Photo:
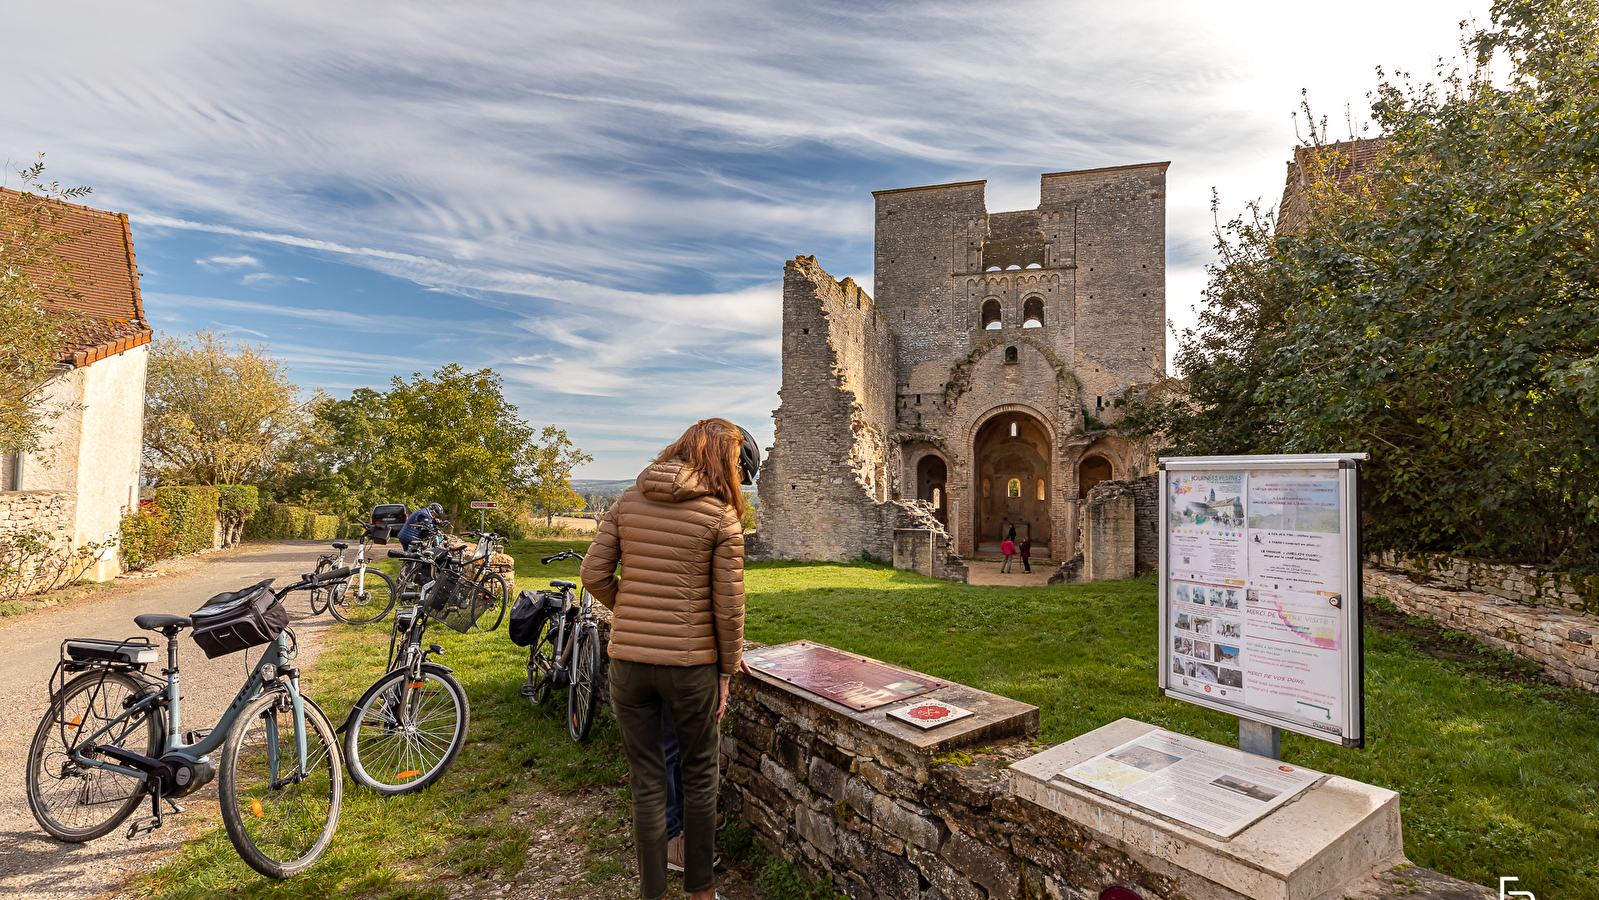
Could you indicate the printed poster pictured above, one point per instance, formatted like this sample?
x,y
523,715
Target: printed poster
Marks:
x,y
1255,606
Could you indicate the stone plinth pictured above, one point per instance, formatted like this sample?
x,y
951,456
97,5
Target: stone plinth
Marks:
x,y
1335,832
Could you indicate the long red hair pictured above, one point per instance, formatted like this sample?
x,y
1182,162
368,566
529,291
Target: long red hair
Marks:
x,y
711,446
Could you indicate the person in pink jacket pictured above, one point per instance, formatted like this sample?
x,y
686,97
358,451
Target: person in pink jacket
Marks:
x,y
1009,549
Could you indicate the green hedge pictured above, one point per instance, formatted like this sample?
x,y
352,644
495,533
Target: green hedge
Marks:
x,y
191,514
282,522
145,537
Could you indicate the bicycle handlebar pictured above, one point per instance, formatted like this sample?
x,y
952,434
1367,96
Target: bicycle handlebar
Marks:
x,y
568,553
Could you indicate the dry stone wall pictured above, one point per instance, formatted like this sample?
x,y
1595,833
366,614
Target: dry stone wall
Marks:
x,y
1523,584
50,513
1564,644
839,797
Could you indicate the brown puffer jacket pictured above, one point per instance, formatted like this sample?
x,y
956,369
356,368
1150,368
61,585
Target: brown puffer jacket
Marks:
x,y
680,600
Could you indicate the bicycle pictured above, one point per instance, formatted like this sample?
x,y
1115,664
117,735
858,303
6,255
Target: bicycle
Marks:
x,y
408,728
354,601
113,734
419,571
565,653
491,584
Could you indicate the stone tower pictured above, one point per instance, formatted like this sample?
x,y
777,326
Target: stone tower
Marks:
x,y
984,379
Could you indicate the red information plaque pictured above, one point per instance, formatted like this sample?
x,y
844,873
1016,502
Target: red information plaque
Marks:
x,y
853,681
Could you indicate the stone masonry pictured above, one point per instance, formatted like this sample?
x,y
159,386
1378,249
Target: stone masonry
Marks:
x,y
50,512
840,797
1565,644
982,377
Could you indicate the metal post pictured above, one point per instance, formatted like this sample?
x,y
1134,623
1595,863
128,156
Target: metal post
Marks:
x,y
1260,739
482,520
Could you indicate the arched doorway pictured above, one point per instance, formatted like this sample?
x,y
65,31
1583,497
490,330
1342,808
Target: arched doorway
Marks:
x,y
932,476
1012,452
1091,471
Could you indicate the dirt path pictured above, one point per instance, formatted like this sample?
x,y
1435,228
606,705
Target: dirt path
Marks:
x,y
32,865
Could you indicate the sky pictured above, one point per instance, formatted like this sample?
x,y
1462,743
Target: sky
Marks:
x,y
596,200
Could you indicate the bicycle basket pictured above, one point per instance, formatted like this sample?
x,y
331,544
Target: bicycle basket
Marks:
x,y
457,601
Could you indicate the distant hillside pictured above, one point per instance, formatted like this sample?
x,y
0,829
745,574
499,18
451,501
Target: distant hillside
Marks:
x,y
585,486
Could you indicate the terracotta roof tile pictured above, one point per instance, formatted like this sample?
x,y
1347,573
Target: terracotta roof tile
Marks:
x,y
106,278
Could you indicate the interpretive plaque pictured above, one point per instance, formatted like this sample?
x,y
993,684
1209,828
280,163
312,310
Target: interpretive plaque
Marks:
x,y
853,681
1260,590
1206,786
928,714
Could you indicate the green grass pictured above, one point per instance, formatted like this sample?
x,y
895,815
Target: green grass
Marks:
x,y
1497,777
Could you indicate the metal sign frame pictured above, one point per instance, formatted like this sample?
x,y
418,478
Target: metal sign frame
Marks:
x,y
1351,723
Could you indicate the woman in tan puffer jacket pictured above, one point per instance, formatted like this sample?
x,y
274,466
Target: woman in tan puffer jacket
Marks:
x,y
677,634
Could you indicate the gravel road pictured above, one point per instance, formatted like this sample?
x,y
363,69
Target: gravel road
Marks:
x,y
33,866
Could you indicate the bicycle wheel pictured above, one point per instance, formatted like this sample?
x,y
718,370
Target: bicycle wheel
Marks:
x,y
404,735
582,698
541,663
279,822
494,592
72,801
319,597
368,604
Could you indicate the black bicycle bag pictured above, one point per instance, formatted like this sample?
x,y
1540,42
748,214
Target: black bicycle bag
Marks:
x,y
246,618
527,614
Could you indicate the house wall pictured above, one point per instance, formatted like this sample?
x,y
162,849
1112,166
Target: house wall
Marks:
x,y
93,448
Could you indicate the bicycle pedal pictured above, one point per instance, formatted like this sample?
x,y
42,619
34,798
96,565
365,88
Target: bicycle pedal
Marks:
x,y
527,690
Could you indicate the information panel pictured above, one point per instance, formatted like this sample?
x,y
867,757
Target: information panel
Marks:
x,y
1260,590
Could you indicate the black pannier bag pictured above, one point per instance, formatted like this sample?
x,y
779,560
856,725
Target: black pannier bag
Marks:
x,y
527,613
228,623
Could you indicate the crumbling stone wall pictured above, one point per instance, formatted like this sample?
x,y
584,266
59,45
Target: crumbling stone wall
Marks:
x,y
922,545
1564,644
1109,532
1146,499
825,484
50,512
838,798
1524,584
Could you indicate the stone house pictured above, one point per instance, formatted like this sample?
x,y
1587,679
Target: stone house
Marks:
x,y
90,462
985,377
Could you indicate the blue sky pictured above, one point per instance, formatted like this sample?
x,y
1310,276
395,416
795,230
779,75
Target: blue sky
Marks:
x,y
597,199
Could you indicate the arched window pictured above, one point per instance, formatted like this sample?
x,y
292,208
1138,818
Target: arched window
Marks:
x,y
991,315
1033,313
1013,429
1010,354
1041,489
1013,488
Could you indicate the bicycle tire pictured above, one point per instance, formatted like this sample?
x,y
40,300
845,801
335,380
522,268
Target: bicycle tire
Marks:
x,y
541,663
582,697
82,803
281,829
366,606
319,597
493,585
376,743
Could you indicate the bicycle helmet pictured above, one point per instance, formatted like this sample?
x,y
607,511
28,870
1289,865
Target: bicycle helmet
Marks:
x,y
749,458
435,509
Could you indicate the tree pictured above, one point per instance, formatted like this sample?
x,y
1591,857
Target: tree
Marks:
x,y
554,458
1444,315
34,329
345,471
216,414
454,438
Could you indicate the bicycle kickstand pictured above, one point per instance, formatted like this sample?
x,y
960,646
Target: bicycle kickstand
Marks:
x,y
142,826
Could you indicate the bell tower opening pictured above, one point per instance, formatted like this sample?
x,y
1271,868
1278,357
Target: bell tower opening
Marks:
x,y
1013,450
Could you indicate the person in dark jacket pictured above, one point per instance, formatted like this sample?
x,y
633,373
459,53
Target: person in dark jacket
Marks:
x,y
1024,551
411,531
677,633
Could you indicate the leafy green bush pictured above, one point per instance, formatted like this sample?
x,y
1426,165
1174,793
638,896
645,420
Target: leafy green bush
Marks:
x,y
191,514
145,537
324,528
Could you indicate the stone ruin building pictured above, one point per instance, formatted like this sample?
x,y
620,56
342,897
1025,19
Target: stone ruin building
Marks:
x,y
984,380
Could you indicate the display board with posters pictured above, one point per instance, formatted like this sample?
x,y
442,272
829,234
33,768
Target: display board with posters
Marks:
x,y
1260,590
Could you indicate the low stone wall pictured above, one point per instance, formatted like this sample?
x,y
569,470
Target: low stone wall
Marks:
x,y
1524,584
1562,643
922,545
54,513
891,815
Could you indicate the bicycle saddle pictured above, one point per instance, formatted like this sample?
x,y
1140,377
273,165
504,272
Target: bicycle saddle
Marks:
x,y
340,545
162,622
558,583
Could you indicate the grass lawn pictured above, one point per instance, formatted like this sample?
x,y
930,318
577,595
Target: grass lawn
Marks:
x,y
1498,775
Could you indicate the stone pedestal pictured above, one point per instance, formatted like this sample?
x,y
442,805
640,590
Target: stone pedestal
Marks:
x,y
1336,833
